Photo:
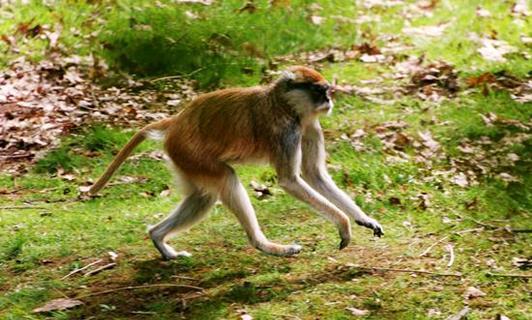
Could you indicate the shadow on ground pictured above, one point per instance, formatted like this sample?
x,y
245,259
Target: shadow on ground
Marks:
x,y
221,289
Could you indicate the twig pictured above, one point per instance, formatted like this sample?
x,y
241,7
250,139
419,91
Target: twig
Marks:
x,y
460,314
432,246
16,190
166,78
144,312
177,76
20,207
16,156
438,274
508,275
158,285
81,269
289,316
521,230
494,227
107,266
184,278
489,226
468,230
450,248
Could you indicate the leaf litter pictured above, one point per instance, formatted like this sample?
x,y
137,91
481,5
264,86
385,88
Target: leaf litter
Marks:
x,y
40,102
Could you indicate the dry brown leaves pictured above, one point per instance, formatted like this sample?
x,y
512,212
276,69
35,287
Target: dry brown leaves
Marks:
x,y
58,305
432,81
520,91
39,102
485,157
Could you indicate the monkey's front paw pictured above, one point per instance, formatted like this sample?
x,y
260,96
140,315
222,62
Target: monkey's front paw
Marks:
x,y
346,238
373,225
344,243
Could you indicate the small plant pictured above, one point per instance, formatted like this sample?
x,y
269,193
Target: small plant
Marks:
x,y
13,248
100,138
212,44
55,159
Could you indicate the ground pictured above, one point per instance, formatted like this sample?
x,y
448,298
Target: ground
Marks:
x,y
430,135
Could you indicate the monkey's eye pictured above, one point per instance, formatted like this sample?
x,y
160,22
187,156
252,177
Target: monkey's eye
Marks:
x,y
322,89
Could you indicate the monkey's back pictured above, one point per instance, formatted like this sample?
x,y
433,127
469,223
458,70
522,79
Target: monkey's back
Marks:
x,y
220,127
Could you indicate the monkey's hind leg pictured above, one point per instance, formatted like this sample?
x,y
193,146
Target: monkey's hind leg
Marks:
x,y
190,211
235,197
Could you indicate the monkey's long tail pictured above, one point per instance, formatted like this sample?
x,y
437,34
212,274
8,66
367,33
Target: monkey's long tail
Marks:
x,y
126,151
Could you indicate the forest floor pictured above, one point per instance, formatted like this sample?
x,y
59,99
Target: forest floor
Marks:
x,y
430,135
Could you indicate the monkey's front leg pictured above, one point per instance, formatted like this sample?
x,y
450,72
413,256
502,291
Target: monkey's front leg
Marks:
x,y
324,184
297,187
315,173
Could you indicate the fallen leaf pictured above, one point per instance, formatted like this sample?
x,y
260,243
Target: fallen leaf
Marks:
x,y
357,312
394,201
261,190
494,50
472,293
165,193
507,177
248,7
482,12
433,312
372,58
58,305
428,141
317,20
84,189
460,179
368,48
424,200
520,7
428,31
112,255
522,263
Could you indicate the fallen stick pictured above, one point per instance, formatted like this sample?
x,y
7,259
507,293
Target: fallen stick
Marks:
x,y
508,275
521,230
469,230
184,278
450,248
107,266
20,207
438,274
432,246
460,314
82,268
157,285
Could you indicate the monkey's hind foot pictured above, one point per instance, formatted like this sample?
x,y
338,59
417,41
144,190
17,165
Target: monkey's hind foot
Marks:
x,y
281,250
167,252
170,254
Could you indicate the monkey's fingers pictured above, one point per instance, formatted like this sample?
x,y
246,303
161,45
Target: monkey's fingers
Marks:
x,y
344,243
377,232
373,225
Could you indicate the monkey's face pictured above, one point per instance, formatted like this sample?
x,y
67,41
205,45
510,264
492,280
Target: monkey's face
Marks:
x,y
310,97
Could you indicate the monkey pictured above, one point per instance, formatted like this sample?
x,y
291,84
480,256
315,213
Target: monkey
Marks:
x,y
277,123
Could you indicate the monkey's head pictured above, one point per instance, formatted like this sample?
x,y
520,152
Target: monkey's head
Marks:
x,y
306,90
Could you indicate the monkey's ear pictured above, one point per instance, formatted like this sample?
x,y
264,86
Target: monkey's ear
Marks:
x,y
288,75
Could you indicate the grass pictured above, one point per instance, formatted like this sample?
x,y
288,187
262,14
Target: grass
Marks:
x,y
40,245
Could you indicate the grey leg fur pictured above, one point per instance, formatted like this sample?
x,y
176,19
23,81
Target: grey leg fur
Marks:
x,y
190,211
315,173
235,197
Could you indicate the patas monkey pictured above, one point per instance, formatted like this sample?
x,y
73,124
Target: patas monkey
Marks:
x,y
277,123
